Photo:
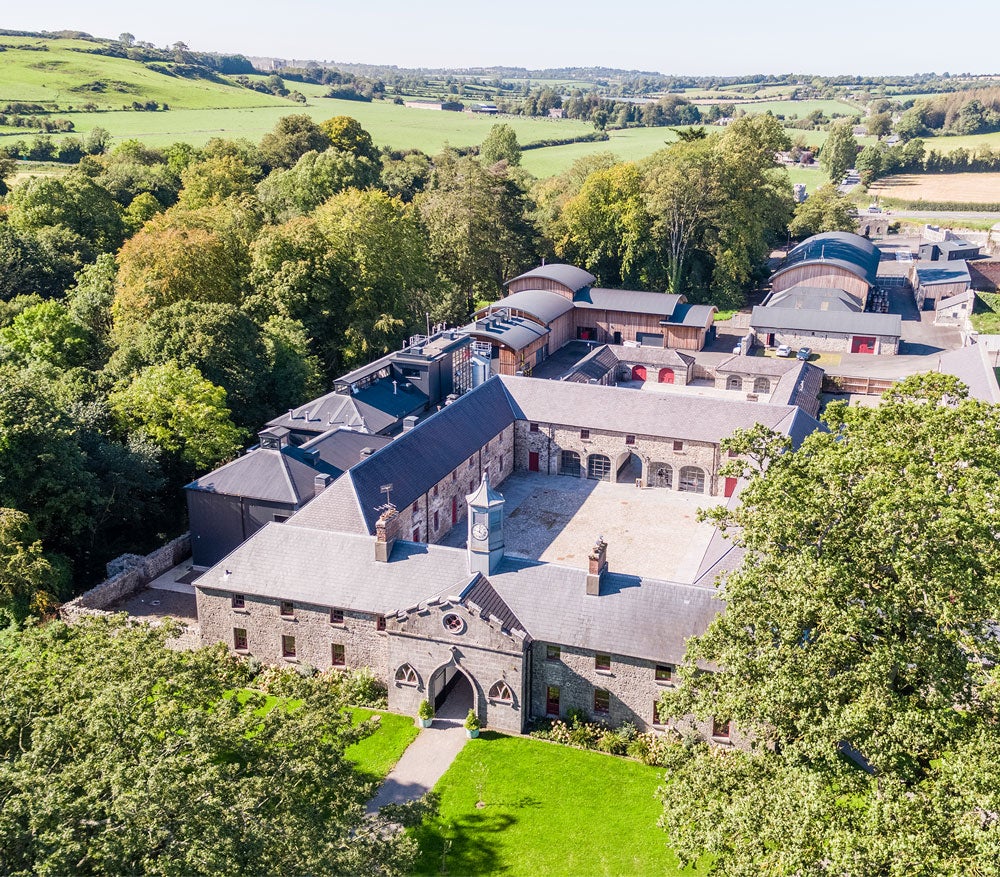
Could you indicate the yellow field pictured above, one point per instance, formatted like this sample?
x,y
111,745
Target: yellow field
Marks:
x,y
968,188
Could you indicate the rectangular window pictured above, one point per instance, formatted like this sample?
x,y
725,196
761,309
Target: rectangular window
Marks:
x,y
630,439
337,655
416,534
602,662
288,646
585,433
336,616
379,622
552,700
239,639
414,508
720,729
287,608
435,490
678,446
552,653
501,462
533,427
472,462
238,601
454,476
472,486
602,701
664,673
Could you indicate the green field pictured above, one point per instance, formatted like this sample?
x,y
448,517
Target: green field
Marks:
x,y
799,108
377,754
548,809
812,177
970,142
628,144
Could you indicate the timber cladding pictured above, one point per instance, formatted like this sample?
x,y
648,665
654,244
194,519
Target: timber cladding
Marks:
x,y
825,276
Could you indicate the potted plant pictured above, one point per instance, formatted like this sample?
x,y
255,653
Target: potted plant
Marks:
x,y
425,712
472,725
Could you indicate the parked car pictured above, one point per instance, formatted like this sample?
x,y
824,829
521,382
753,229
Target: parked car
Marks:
x,y
804,353
784,351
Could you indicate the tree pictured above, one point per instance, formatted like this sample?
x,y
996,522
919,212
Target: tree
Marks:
x,y
501,145
121,755
30,581
28,265
839,151
314,178
180,412
126,39
292,137
879,124
48,335
346,135
8,167
869,164
825,210
855,651
214,180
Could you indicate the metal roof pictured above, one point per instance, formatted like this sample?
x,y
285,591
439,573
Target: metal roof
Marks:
x,y
836,322
842,249
542,304
659,304
815,298
932,273
692,315
514,332
272,475
570,276
374,409
341,448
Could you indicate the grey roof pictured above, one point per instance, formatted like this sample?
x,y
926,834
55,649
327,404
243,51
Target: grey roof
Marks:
x,y
959,298
799,386
957,244
374,409
692,315
485,495
842,249
931,273
570,276
515,332
973,368
594,366
414,461
813,298
285,476
659,304
327,568
540,303
838,322
769,366
621,410
661,356
483,595
341,448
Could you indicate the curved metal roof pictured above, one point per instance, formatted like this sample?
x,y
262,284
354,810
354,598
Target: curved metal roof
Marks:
x,y
544,306
839,248
570,276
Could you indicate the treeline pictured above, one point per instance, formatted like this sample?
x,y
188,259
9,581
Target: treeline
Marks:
x,y
605,112
975,111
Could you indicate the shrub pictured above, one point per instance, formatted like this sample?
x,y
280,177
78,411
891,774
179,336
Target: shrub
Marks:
x,y
425,710
472,722
363,688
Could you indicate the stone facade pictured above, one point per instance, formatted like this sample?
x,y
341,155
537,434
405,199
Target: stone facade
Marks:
x,y
311,626
662,459
760,385
829,342
478,648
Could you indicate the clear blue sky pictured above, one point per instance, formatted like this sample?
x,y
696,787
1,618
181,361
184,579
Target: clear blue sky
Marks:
x,y
724,37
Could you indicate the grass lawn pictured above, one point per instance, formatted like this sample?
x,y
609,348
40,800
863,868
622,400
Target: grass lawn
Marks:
x,y
986,313
376,755
799,108
548,810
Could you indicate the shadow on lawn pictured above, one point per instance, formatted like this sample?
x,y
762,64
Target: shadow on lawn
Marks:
x,y
461,846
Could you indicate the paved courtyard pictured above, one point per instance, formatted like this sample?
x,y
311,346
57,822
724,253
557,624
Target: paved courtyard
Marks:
x,y
649,531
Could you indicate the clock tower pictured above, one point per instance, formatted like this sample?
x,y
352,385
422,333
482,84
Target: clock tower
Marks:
x,y
485,535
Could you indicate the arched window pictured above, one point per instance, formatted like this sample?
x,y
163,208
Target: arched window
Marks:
x,y
569,463
692,479
406,675
599,467
761,385
501,691
660,475
734,382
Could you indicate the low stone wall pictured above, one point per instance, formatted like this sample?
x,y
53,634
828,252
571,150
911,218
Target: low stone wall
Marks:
x,y
127,575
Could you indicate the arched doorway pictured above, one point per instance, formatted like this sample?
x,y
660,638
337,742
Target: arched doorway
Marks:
x,y
569,463
734,382
452,692
638,373
630,470
666,376
660,475
692,479
599,467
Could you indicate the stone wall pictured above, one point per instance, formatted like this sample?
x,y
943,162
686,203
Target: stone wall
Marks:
x,y
656,453
127,575
364,645
829,343
761,385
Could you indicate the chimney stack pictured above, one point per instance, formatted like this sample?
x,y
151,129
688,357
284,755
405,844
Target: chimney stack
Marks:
x,y
409,422
598,565
366,453
321,482
385,535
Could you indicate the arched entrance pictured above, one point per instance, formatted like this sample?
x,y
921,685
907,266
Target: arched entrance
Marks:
x,y
599,467
666,376
638,373
452,692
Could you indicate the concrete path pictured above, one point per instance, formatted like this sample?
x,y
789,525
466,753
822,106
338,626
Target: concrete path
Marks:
x,y
427,757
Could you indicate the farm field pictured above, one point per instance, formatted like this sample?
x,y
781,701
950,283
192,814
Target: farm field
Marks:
x,y
627,144
970,142
799,108
812,177
546,811
967,188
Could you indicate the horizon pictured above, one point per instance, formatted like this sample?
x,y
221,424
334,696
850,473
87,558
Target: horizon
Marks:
x,y
645,38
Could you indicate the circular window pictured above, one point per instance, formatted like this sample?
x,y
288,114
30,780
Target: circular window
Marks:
x,y
453,623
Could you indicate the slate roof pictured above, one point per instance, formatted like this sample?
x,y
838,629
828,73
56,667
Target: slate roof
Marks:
x,y
540,303
767,366
799,386
617,409
483,595
271,475
374,409
659,304
813,298
957,244
515,332
341,448
931,273
415,460
959,298
838,322
849,251
568,275
594,366
660,356
973,368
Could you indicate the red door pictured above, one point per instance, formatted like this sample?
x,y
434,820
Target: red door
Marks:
x,y
730,486
860,344
638,373
666,375
532,461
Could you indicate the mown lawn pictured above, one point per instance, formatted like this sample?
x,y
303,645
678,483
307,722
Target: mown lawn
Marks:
x,y
548,809
376,755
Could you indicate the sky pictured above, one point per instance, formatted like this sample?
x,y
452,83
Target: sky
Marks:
x,y
722,37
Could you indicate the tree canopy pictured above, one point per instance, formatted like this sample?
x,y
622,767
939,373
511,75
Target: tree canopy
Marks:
x,y
856,651
839,152
826,209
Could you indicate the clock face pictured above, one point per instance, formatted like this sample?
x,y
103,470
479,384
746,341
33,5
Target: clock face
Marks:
x,y
480,532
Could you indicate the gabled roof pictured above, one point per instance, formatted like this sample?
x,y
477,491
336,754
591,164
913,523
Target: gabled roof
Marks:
x,y
376,408
659,356
482,595
271,475
839,322
961,298
768,366
341,448
594,366
570,276
539,303
851,252
973,368
658,304
931,273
